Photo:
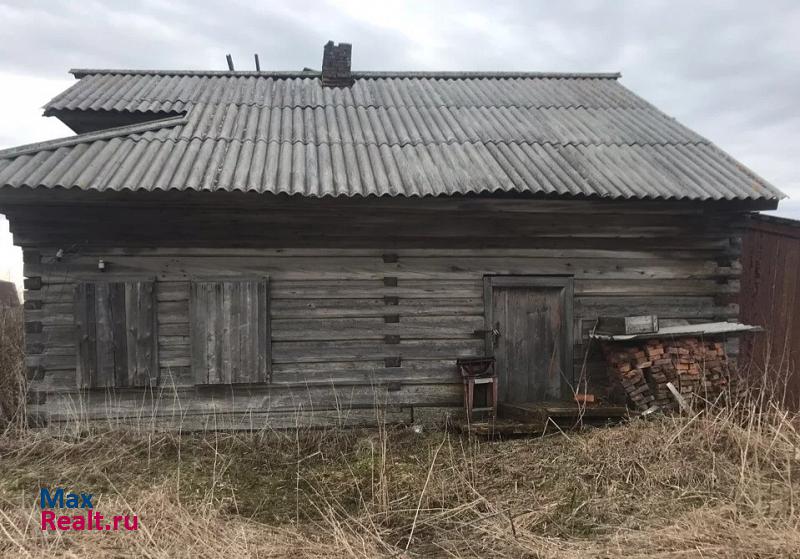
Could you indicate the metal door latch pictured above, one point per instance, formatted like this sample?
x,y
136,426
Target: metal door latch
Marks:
x,y
494,333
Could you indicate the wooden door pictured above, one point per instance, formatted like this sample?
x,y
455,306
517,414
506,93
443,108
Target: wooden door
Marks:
x,y
531,323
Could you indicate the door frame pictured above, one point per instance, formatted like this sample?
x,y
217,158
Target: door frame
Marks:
x,y
566,283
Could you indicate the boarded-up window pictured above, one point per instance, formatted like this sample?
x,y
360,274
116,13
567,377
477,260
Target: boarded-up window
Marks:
x,y
117,334
229,323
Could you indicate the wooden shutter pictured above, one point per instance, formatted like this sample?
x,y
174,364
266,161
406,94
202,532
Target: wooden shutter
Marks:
x,y
229,322
117,334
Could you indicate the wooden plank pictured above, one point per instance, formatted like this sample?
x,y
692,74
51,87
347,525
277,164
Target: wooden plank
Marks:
x,y
250,343
52,314
282,226
86,328
59,293
122,321
198,321
232,325
367,372
55,359
653,288
373,289
229,330
344,367
248,420
375,307
705,250
174,330
309,352
215,334
142,333
662,306
329,373
339,288
174,357
668,238
54,336
231,358
32,305
172,291
173,312
174,341
213,399
373,269
415,327
55,380
264,348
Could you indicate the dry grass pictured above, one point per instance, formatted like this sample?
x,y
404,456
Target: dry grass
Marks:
x,y
718,484
722,483
12,385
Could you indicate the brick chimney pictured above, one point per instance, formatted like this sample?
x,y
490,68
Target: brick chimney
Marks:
x,y
336,65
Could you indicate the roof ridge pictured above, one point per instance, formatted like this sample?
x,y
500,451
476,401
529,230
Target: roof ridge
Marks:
x,y
450,74
106,134
455,74
49,111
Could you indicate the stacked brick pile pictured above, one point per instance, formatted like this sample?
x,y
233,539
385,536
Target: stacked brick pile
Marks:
x,y
698,370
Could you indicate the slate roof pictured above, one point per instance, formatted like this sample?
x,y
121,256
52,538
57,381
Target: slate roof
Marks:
x,y
399,134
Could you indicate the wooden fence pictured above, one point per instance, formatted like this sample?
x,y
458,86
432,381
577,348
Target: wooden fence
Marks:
x,y
770,297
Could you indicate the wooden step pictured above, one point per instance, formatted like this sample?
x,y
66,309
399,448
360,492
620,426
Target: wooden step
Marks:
x,y
562,413
500,428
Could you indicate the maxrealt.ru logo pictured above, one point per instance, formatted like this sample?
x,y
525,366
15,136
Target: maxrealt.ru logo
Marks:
x,y
88,519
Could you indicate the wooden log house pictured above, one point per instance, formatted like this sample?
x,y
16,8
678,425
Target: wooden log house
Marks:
x,y
249,249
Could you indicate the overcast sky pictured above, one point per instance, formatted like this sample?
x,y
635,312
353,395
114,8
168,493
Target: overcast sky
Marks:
x,y
729,70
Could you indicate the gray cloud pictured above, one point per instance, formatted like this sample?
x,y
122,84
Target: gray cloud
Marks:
x,y
730,70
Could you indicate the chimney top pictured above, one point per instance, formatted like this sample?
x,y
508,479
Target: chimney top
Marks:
x,y
336,65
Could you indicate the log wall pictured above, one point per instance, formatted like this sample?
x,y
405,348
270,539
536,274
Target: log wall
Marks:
x,y
355,285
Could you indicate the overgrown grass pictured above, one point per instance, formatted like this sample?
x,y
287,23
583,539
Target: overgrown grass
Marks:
x,y
12,377
717,484
721,483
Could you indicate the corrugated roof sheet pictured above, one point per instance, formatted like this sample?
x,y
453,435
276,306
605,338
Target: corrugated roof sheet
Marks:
x,y
394,134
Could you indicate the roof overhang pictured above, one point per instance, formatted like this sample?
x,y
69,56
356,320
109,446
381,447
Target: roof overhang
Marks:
x,y
76,196
82,122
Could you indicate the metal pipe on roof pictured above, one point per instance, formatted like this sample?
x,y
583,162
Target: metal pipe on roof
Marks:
x,y
230,62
